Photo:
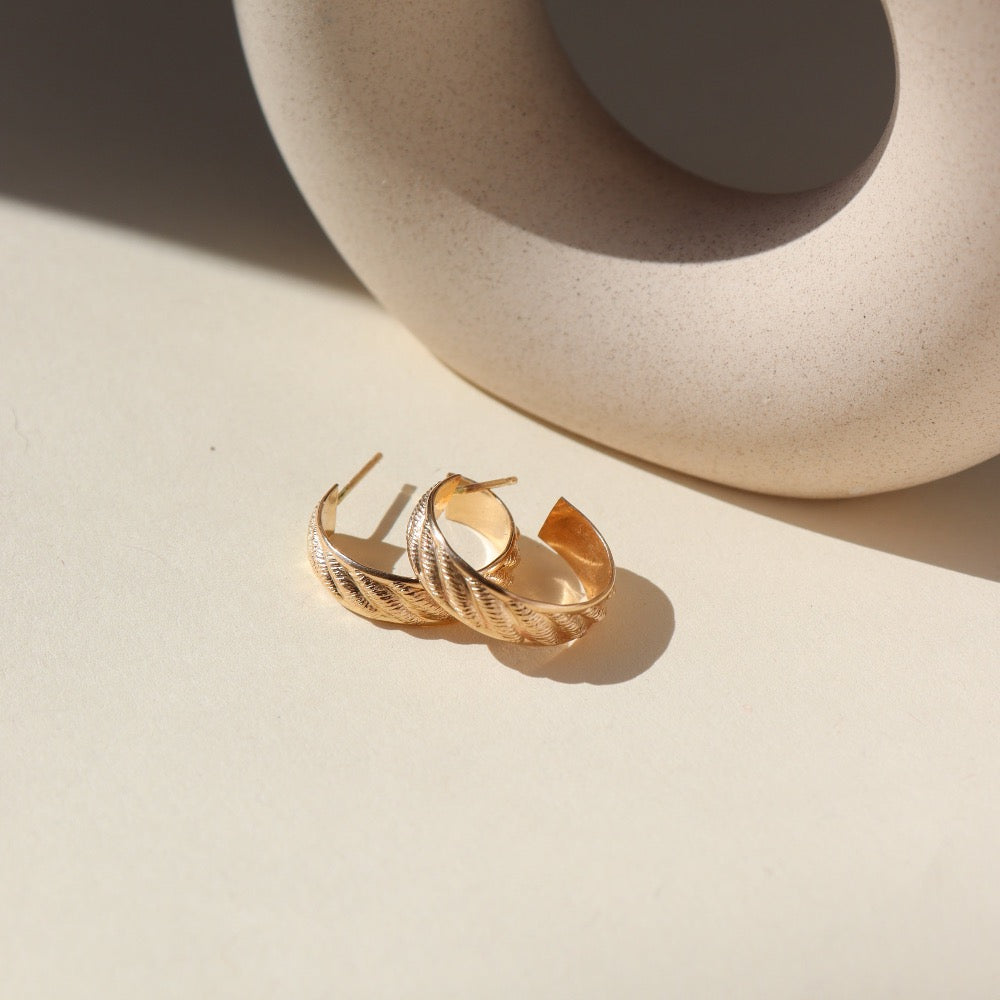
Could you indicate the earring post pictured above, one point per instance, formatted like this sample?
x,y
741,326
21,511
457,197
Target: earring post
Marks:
x,y
359,475
488,484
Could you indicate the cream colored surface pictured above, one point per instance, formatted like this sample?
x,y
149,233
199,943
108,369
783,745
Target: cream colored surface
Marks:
x,y
772,771
827,344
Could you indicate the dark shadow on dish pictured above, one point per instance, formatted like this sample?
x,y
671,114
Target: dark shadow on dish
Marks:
x,y
518,136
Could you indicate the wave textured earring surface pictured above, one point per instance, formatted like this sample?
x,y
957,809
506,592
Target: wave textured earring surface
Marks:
x,y
390,597
488,606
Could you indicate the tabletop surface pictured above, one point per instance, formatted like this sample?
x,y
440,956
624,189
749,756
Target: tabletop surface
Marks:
x,y
771,771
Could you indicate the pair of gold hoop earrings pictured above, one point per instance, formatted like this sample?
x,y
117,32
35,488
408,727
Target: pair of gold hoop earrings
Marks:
x,y
446,587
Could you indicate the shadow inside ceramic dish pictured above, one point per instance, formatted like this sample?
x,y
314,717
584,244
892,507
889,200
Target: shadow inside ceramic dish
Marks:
x,y
143,115
511,129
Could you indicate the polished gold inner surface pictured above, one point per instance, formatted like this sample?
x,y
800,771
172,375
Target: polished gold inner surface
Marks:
x,y
470,504
566,531
328,511
479,510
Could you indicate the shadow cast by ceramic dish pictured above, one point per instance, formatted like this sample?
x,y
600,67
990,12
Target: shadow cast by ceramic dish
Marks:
x,y
950,522
143,115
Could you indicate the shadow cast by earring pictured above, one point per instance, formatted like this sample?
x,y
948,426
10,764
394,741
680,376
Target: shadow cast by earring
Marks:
x,y
633,636
374,550
452,632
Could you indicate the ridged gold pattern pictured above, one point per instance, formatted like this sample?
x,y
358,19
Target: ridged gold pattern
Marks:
x,y
487,605
389,597
382,596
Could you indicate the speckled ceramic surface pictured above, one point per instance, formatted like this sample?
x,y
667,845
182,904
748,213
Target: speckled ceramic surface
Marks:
x,y
824,344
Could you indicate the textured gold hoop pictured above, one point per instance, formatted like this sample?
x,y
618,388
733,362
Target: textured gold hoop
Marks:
x,y
487,605
390,597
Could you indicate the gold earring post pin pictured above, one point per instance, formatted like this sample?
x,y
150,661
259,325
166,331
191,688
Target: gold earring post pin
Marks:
x,y
359,475
487,485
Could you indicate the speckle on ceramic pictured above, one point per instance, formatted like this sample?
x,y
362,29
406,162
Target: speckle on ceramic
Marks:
x,y
822,344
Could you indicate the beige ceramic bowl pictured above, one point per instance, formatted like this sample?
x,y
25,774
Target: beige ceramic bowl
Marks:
x,y
831,343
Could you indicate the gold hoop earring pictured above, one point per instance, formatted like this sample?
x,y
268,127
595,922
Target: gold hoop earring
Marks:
x,y
389,597
487,605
